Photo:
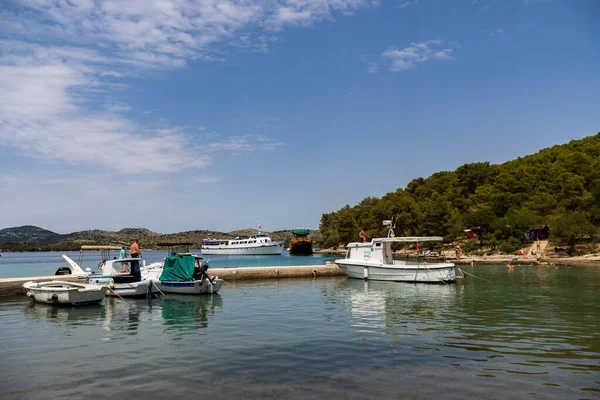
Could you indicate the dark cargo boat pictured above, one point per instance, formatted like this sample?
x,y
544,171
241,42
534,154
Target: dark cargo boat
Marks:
x,y
301,243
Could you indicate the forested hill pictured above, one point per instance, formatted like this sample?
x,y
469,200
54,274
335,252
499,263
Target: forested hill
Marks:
x,y
558,186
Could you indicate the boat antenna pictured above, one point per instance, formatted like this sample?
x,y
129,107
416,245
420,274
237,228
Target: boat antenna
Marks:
x,y
258,224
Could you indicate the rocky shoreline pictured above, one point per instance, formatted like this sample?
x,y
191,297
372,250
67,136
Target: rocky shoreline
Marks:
x,y
492,259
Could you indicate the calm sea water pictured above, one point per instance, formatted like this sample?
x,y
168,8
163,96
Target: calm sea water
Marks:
x,y
530,333
13,265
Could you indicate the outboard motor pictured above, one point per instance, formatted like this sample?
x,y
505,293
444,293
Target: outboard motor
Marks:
x,y
203,269
63,271
201,272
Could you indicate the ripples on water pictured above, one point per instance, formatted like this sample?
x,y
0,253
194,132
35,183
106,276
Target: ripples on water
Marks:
x,y
532,332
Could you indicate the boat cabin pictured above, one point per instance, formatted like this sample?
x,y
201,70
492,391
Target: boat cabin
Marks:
x,y
125,270
252,240
260,238
379,250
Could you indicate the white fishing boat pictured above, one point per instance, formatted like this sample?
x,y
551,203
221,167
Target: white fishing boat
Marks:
x,y
182,272
61,292
122,276
373,260
257,245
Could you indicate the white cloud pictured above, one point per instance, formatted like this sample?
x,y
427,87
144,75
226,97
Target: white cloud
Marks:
x,y
167,33
117,108
245,143
372,65
112,73
416,53
63,58
498,31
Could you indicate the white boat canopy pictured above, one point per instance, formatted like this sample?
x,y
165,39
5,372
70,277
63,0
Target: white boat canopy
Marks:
x,y
99,248
410,239
402,239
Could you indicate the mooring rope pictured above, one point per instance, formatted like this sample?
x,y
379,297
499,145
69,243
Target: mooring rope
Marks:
x,y
465,272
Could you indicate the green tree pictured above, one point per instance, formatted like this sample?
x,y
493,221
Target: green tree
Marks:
x,y
571,227
506,199
480,220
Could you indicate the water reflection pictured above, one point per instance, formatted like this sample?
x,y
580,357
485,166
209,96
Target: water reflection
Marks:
x,y
532,332
178,312
531,321
124,315
82,315
377,305
189,312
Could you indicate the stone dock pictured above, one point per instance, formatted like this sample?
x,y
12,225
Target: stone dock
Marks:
x,y
14,286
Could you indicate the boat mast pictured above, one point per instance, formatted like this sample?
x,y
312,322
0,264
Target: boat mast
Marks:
x,y
391,225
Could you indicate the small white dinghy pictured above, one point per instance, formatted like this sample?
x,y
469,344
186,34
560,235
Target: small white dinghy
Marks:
x,y
61,292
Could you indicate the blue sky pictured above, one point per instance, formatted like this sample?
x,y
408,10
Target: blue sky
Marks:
x,y
181,114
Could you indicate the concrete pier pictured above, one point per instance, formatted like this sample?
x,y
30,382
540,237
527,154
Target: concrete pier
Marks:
x,y
14,286
306,271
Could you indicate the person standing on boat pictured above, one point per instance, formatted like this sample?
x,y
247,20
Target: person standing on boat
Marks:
x,y
363,236
134,250
123,253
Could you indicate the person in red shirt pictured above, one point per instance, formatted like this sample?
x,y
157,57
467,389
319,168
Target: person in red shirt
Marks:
x,y
134,250
363,236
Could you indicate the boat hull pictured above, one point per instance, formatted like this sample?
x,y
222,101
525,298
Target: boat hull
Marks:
x,y
264,250
65,293
418,273
301,247
200,286
194,287
132,289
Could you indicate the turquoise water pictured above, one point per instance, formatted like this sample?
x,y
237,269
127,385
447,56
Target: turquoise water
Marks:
x,y
13,265
530,333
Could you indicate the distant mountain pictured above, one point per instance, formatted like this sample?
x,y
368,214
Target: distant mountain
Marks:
x,y
138,231
29,233
28,238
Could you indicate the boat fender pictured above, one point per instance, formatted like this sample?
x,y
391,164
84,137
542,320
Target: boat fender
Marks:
x,y
150,288
29,294
54,297
314,273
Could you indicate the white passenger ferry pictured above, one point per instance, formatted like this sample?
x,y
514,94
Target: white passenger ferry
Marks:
x,y
259,244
